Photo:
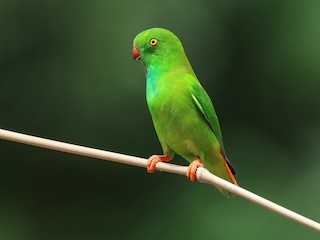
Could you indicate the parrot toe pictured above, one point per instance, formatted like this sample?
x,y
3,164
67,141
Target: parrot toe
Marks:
x,y
154,159
192,169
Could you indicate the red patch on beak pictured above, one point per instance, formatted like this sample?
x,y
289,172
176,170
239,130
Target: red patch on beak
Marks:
x,y
135,53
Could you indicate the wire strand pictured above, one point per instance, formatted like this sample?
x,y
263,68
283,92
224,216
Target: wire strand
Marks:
x,y
203,175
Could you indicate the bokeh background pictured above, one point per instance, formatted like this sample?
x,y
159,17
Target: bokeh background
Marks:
x,y
66,73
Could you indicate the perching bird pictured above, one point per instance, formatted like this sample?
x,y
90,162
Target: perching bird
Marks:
x,y
182,112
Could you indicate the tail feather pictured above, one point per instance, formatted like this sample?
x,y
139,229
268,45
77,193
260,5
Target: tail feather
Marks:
x,y
229,165
230,169
230,173
222,167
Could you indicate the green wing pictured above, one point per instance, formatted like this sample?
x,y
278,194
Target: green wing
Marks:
x,y
204,104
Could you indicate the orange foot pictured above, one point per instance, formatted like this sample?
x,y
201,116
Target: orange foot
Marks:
x,y
154,159
192,169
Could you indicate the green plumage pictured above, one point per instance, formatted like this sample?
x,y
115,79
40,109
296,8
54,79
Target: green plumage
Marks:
x,y
182,112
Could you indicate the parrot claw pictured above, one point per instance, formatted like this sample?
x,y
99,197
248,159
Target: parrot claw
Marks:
x,y
154,159
192,169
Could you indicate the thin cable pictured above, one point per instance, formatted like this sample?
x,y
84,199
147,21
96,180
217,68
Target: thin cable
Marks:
x,y
203,175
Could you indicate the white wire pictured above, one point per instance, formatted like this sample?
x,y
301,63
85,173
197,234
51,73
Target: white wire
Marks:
x,y
203,175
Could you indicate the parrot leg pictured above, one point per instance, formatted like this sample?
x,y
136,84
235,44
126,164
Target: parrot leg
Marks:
x,y
154,159
192,169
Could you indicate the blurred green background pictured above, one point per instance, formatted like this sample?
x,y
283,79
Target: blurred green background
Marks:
x,y
66,73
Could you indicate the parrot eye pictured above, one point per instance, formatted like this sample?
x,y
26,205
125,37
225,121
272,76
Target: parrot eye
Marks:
x,y
153,42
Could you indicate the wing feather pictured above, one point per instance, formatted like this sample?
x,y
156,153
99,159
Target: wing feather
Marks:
x,y
205,106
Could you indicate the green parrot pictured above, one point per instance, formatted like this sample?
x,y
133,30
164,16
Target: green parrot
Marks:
x,y
182,112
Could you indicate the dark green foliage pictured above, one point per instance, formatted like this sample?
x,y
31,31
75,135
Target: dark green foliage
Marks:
x,y
66,73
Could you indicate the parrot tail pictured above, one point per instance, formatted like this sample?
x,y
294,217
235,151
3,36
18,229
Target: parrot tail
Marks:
x,y
230,172
222,169
230,169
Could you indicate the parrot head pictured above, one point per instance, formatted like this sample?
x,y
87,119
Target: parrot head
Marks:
x,y
157,45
